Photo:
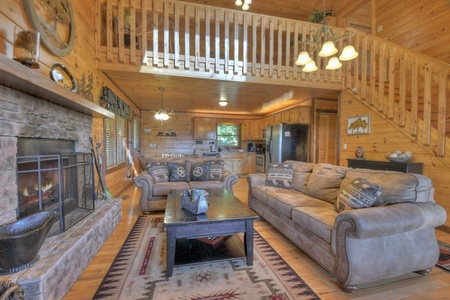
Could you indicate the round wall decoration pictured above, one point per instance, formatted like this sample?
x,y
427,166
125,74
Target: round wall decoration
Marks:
x,y
55,22
60,74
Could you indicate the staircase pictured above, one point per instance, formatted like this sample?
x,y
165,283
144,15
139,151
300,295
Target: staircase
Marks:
x,y
177,38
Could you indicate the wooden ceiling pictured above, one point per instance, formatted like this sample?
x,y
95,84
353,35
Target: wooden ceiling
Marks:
x,y
184,94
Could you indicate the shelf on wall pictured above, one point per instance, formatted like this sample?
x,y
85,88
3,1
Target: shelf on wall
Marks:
x,y
16,76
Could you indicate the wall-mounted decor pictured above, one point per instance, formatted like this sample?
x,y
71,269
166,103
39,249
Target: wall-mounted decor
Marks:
x,y
86,90
60,74
26,47
358,125
113,103
55,22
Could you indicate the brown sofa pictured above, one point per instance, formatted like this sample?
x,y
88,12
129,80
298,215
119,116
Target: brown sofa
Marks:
x,y
393,237
164,174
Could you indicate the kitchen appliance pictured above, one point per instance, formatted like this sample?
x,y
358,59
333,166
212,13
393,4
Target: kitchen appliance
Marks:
x,y
286,142
259,148
260,162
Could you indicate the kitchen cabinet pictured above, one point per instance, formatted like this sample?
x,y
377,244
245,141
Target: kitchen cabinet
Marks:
x,y
250,163
204,129
406,167
251,130
240,163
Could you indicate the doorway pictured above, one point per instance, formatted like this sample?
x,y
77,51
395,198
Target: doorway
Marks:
x,y
327,137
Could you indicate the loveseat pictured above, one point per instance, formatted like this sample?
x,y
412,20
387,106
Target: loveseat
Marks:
x,y
163,174
360,225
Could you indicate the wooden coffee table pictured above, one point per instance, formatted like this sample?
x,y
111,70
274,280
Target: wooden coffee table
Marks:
x,y
226,216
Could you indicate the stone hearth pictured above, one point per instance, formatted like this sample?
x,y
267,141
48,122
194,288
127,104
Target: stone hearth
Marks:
x,y
63,257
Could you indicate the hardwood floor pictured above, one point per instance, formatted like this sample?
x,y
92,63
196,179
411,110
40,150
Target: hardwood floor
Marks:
x,y
436,285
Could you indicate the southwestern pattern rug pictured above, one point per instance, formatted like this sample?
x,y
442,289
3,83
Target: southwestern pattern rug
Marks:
x,y
444,256
138,272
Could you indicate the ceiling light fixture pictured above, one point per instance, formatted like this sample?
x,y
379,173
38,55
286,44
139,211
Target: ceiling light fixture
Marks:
x,y
325,40
162,114
223,102
245,5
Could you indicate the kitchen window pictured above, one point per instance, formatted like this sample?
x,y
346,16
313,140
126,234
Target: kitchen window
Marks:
x,y
228,135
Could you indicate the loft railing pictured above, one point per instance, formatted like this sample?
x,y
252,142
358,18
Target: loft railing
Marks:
x,y
408,88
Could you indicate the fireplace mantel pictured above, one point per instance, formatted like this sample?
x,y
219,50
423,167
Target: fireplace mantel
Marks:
x,y
21,78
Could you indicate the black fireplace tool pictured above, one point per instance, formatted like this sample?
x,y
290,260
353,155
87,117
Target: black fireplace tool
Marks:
x,y
104,194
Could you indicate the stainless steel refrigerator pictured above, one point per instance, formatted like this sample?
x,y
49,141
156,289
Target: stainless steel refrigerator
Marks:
x,y
286,142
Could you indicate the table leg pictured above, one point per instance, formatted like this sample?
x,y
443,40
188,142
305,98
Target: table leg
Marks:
x,y
248,242
170,255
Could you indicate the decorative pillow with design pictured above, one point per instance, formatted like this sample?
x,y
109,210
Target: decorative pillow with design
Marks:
x,y
177,172
200,171
216,170
280,175
159,171
360,193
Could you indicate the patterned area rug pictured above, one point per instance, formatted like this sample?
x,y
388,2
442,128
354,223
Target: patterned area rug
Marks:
x,y
138,272
444,256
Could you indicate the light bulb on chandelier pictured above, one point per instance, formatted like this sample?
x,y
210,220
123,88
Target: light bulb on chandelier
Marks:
x,y
245,5
162,114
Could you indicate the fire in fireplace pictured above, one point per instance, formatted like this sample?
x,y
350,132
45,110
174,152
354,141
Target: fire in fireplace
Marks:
x,y
62,182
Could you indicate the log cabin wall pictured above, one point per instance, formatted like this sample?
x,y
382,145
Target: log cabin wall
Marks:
x,y
385,137
80,62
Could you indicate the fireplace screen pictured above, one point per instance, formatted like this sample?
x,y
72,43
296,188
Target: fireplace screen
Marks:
x,y
62,183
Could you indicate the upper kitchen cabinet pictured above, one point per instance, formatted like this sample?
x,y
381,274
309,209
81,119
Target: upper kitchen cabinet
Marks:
x,y
252,130
204,129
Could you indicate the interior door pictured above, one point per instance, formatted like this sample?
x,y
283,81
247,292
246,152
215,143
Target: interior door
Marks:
x,y
326,137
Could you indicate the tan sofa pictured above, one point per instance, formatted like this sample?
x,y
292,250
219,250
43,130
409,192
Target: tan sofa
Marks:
x,y
393,237
155,185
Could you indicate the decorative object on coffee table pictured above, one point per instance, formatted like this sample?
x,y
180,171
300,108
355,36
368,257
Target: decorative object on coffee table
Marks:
x,y
26,47
195,201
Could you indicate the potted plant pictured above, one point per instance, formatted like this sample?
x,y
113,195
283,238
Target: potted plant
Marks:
x,y
317,16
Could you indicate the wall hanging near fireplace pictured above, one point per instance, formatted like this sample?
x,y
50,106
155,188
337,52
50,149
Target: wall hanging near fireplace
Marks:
x,y
113,103
61,182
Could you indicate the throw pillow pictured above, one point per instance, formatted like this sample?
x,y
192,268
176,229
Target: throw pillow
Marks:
x,y
200,171
216,170
159,171
279,175
177,172
360,193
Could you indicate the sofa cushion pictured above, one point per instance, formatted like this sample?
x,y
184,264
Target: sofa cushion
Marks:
x,y
177,172
216,170
199,171
317,220
397,187
159,171
279,175
162,188
285,202
301,173
360,193
262,192
325,181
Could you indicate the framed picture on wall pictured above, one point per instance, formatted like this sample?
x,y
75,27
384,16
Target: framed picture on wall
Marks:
x,y
358,125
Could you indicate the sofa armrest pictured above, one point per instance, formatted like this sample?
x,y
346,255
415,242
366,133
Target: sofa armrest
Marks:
x,y
229,179
388,220
145,182
256,179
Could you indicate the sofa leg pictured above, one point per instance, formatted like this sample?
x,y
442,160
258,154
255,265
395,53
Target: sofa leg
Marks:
x,y
347,288
424,272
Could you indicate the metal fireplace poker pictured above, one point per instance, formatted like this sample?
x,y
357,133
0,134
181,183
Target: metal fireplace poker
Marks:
x,y
104,194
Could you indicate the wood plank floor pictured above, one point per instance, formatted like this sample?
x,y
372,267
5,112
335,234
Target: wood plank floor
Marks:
x,y
436,285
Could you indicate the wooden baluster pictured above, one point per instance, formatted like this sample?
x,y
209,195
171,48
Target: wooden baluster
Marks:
x,y
426,130
363,55
442,108
197,38
109,31
381,78
144,32
121,33
176,36
217,43
97,33
287,63
296,50
271,46
391,84
227,43
254,44
187,55
263,47
414,96
373,71
236,44
402,101
245,45
132,32
166,34
356,80
155,34
207,39
280,49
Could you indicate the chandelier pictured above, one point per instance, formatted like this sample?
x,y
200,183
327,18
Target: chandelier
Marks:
x,y
325,40
162,114
245,5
